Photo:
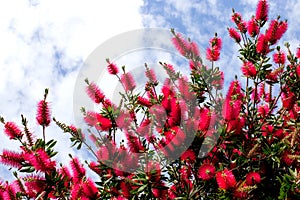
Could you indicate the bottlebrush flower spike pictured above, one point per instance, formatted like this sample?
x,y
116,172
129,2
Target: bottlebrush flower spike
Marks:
x,y
188,156
216,43
236,17
212,54
253,178
252,27
11,158
206,171
150,74
262,45
195,49
103,123
262,10
35,185
249,69
43,111
144,102
182,46
234,35
298,53
40,160
276,31
94,92
90,190
77,169
12,130
279,57
112,68
128,82
225,179
134,143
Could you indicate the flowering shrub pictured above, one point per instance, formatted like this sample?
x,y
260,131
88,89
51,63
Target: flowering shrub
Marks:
x,y
183,140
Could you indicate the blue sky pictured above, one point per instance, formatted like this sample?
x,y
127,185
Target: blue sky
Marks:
x,y
44,43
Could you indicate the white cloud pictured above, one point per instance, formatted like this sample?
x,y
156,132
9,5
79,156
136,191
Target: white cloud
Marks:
x,y
42,45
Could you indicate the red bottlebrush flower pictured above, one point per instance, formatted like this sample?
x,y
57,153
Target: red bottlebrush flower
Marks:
x,y
234,35
95,93
159,191
35,185
206,171
77,169
205,119
262,45
276,31
10,192
252,27
144,102
236,18
103,123
212,54
195,49
189,156
134,143
249,69
298,70
273,75
234,91
91,118
288,99
184,89
219,82
89,189
287,159
242,26
12,130
40,160
262,10
175,114
216,43
11,158
150,74
279,57
267,130
225,179
181,44
43,113
263,110
112,68
298,53
128,82
124,120
252,178
169,69
179,135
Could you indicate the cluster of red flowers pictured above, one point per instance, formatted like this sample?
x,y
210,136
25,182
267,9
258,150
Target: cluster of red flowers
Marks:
x,y
184,140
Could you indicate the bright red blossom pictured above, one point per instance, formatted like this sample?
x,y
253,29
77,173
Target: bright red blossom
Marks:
x,y
234,35
40,160
112,69
12,130
128,82
262,45
95,93
279,57
43,113
206,171
253,178
252,27
225,179
262,10
249,69
298,53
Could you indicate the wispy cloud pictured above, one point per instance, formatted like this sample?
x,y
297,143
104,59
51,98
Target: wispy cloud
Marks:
x,y
43,44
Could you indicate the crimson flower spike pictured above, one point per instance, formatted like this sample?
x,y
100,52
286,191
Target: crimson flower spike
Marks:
x,y
112,68
43,111
94,92
262,10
